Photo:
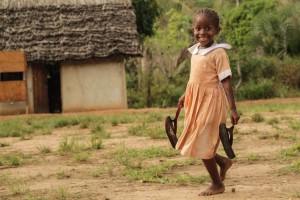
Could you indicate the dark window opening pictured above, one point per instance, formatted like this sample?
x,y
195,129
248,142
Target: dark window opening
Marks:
x,y
11,76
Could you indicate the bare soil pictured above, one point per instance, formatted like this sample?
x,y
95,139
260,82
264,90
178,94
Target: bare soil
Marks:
x,y
260,177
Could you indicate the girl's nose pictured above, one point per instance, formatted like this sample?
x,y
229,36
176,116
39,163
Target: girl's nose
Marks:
x,y
202,31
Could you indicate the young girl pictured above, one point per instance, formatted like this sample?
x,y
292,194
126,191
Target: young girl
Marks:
x,y
205,100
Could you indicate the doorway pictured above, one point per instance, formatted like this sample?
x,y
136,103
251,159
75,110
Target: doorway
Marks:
x,y
54,88
47,88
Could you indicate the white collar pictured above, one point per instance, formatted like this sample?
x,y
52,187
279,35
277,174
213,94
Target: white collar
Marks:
x,y
195,48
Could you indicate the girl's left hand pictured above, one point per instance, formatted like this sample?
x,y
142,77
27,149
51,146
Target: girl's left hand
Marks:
x,y
234,117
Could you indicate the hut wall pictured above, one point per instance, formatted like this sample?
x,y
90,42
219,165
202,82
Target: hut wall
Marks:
x,y
93,85
12,108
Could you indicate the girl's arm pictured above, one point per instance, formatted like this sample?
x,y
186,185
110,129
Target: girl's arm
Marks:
x,y
181,100
227,85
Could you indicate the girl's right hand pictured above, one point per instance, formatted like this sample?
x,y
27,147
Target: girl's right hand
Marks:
x,y
181,100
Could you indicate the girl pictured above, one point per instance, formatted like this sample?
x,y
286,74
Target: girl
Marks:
x,y
205,100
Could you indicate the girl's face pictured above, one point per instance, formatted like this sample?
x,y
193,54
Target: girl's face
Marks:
x,y
205,30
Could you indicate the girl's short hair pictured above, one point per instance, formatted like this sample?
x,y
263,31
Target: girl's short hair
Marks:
x,y
209,13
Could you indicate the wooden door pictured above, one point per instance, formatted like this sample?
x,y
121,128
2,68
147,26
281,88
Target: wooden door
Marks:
x,y
40,89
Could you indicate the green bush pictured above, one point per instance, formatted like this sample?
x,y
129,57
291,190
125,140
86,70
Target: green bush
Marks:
x,y
257,90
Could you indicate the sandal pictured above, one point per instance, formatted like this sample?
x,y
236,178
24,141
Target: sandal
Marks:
x,y
171,128
226,136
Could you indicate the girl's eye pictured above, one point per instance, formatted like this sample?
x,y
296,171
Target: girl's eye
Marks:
x,y
207,28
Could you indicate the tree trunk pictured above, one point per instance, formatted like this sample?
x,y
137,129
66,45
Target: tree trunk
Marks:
x,y
238,67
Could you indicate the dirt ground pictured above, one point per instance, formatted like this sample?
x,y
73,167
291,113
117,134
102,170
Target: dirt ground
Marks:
x,y
255,174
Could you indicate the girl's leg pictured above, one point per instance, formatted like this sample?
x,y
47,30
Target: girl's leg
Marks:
x,y
224,163
217,185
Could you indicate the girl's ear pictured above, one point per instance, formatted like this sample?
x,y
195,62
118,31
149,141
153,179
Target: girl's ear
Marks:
x,y
218,30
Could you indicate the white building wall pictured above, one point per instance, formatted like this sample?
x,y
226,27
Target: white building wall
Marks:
x,y
93,86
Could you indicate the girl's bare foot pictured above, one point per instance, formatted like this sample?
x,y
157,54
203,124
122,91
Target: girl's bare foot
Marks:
x,y
226,164
213,189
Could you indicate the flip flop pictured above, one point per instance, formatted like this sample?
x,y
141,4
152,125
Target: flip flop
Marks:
x,y
171,128
226,136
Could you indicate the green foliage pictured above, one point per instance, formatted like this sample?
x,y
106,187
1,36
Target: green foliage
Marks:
x,y
251,158
146,12
81,157
292,168
257,117
257,90
290,153
44,149
264,36
14,128
152,86
11,159
275,31
238,22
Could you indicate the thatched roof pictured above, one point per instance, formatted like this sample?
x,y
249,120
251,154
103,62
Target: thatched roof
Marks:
x,y
56,30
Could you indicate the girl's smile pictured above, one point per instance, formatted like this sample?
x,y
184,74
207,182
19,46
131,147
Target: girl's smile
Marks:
x,y
205,30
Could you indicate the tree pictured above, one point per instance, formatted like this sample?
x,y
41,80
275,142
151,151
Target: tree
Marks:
x,y
275,32
146,12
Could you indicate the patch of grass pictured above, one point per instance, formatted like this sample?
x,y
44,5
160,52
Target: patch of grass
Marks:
x,y
37,196
154,132
44,149
251,158
193,161
273,120
4,144
295,168
26,137
133,158
11,159
275,106
72,146
266,135
96,142
104,135
63,174
96,128
126,118
184,179
153,174
154,117
157,132
46,130
152,152
290,153
257,117
140,130
296,194
62,193
114,122
14,128
161,174
60,122
81,157
103,170
18,186
295,125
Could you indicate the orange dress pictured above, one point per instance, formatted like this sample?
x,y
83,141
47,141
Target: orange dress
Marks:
x,y
205,102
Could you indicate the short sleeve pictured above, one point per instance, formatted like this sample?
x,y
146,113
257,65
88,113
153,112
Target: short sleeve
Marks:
x,y
222,65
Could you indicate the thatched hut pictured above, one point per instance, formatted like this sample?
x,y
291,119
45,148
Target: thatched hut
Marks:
x,y
75,51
